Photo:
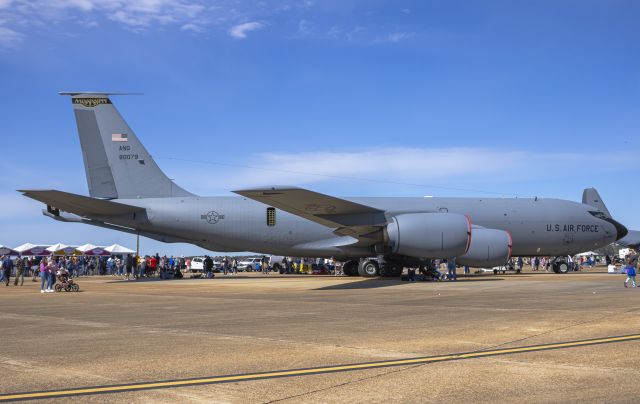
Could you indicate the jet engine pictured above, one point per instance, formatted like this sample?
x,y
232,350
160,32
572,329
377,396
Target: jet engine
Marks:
x,y
489,248
429,235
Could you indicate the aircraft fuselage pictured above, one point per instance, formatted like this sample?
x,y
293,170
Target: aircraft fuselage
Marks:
x,y
538,227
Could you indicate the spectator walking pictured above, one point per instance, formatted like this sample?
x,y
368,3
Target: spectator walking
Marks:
x,y
142,267
43,275
536,263
631,276
52,268
412,274
225,265
153,263
451,269
111,265
208,266
35,266
7,267
264,263
129,266
21,263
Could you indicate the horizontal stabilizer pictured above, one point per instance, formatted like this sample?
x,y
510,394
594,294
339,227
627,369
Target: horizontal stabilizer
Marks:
x,y
81,205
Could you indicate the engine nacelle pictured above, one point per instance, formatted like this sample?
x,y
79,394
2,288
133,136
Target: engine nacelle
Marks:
x,y
489,248
430,235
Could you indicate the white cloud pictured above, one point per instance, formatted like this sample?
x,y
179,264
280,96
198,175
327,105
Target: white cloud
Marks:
x,y
304,27
423,167
240,31
20,18
138,15
397,37
192,28
334,32
9,38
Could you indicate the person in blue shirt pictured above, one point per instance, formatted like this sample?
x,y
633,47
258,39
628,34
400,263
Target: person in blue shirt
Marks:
x,y
631,276
7,266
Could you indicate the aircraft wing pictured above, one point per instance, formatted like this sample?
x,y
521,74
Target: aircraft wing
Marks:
x,y
80,205
348,218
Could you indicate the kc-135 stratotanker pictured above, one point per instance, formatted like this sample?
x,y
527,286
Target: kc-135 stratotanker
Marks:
x,y
128,192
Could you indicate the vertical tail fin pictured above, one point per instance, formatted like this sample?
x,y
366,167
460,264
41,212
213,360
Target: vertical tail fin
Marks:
x,y
116,163
591,197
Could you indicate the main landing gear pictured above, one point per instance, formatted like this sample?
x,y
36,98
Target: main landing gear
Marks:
x,y
560,266
371,267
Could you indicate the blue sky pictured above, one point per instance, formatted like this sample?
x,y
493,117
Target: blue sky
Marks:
x,y
408,98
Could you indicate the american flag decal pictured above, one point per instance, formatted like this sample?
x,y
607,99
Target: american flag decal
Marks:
x,y
119,137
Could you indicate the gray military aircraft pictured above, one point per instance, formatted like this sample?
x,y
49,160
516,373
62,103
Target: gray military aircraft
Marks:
x,y
375,236
631,240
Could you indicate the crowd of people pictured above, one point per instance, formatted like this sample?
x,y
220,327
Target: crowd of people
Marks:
x,y
49,270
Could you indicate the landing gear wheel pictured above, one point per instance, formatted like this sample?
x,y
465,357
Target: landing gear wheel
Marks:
x,y
561,267
58,287
392,269
368,268
350,268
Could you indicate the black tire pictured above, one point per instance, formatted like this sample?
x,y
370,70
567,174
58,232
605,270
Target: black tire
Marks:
x,y
561,267
368,268
350,268
392,269
75,287
58,287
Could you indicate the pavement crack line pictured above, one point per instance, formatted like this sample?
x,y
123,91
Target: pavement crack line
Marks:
x,y
595,320
362,379
396,363
424,364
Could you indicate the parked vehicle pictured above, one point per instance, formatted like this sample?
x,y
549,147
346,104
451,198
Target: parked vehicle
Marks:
x,y
197,264
249,264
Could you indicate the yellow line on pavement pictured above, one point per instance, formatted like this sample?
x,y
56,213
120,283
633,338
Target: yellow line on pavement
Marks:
x,y
310,371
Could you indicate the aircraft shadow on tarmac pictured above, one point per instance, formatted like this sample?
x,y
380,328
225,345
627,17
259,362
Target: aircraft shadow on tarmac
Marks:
x,y
219,277
383,283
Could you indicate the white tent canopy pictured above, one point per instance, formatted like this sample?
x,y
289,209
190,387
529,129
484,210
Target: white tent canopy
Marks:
x,y
33,249
63,249
86,247
585,254
90,249
118,249
4,250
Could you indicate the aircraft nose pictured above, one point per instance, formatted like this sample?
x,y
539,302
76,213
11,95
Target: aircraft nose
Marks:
x,y
621,230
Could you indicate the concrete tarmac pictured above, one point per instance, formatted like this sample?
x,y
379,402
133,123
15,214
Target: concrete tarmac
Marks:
x,y
116,332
